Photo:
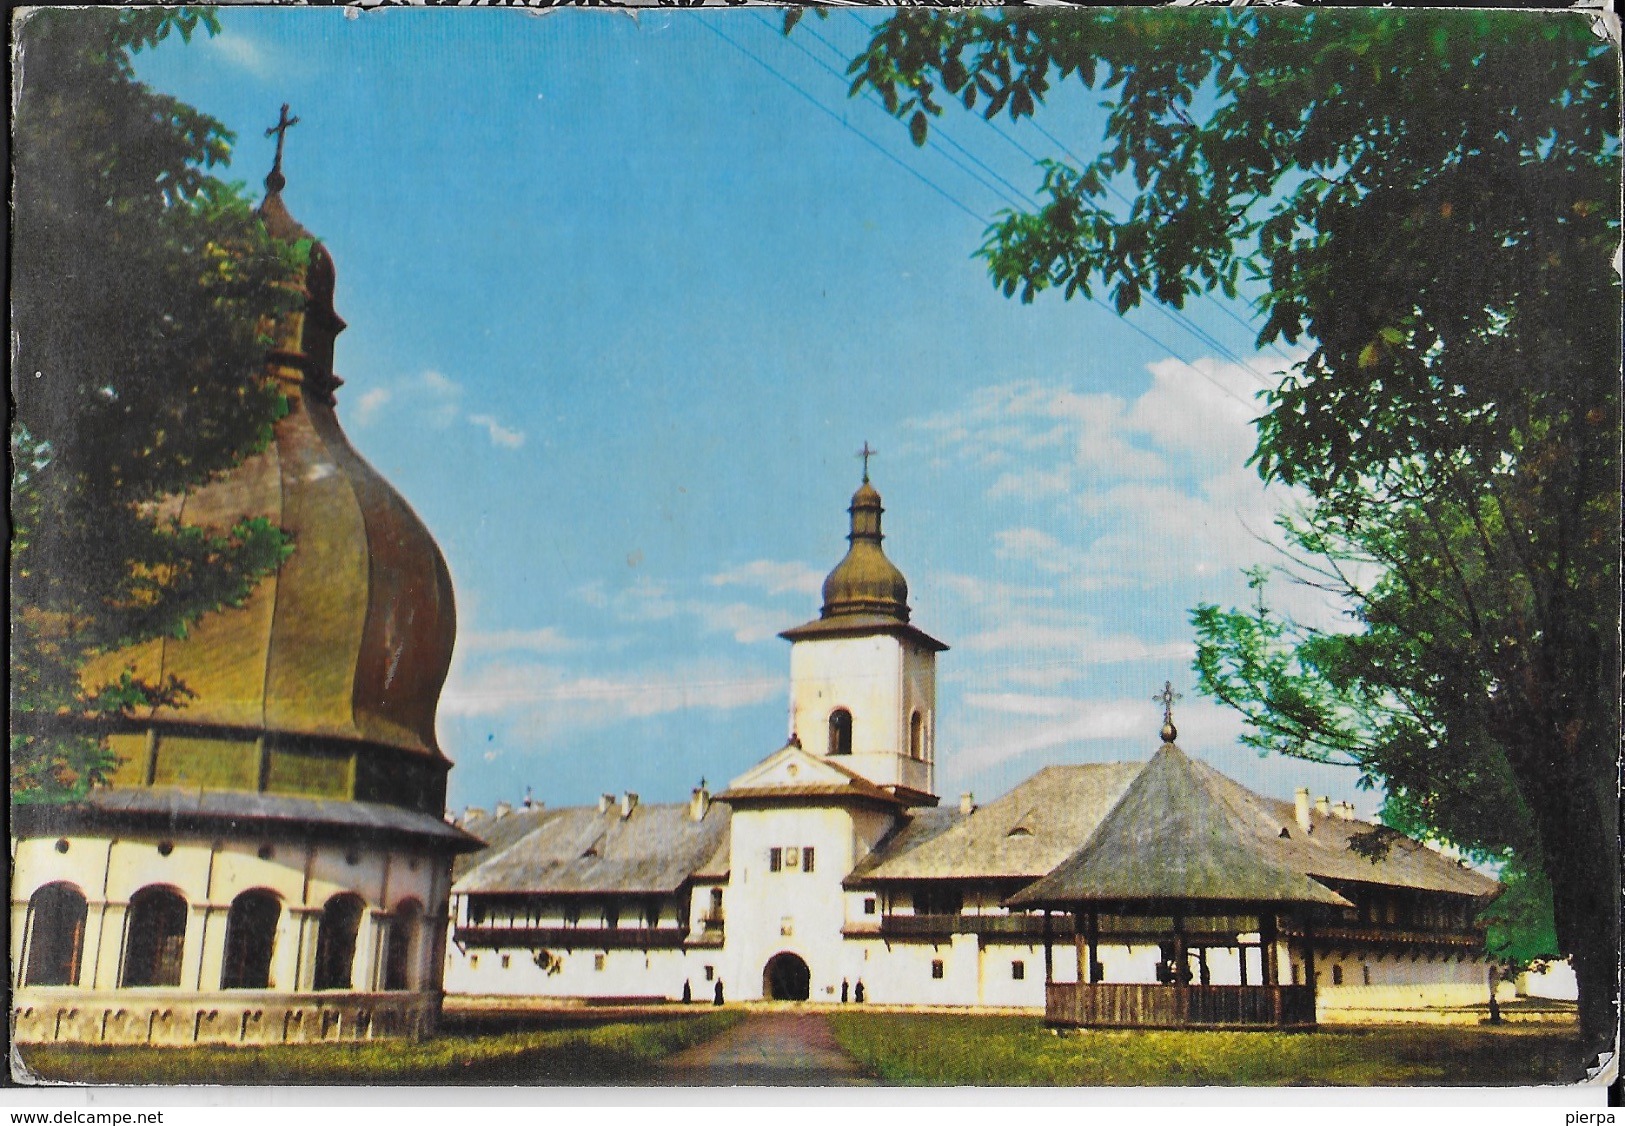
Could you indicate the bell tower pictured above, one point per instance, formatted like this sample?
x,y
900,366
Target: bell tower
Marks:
x,y
863,688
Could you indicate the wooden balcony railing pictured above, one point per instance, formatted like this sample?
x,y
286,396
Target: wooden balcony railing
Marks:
x,y
573,938
941,928
1134,1005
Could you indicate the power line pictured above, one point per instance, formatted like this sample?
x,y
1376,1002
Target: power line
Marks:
x,y
953,199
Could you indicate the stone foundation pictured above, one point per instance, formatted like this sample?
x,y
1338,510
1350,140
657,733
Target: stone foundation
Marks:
x,y
242,1016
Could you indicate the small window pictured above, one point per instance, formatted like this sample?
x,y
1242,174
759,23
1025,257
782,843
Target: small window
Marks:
x,y
775,860
710,973
792,858
1018,971
1337,975
807,860
505,960
473,961
916,736
868,905
1020,831
598,962
787,927
936,969
840,732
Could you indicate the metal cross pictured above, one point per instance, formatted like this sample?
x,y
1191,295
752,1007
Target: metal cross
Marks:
x,y
1166,698
280,129
866,453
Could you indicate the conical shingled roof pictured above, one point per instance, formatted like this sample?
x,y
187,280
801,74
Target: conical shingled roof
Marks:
x,y
1173,836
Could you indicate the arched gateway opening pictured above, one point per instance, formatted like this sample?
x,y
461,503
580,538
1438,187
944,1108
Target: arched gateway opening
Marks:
x,y
786,978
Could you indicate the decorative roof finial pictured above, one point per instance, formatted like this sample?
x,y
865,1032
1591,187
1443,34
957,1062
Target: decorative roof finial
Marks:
x,y
866,453
275,182
1166,698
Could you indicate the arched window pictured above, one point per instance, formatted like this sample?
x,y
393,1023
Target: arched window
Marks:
x,y
157,935
335,941
916,736
250,940
57,938
840,732
400,960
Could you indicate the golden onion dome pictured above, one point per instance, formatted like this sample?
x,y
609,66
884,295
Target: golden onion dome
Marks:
x,y
325,682
865,581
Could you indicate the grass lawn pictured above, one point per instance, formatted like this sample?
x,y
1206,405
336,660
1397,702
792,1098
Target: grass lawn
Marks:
x,y
934,1049
609,1053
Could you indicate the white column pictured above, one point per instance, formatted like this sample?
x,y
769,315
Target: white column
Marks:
x,y
109,955
20,927
285,954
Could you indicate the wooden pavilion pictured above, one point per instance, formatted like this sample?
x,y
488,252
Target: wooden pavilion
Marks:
x,y
1182,863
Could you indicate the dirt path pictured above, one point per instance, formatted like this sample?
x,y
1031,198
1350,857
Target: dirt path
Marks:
x,y
779,1049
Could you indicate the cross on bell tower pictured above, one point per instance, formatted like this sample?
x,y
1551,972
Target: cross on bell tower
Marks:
x,y
275,182
866,453
1166,698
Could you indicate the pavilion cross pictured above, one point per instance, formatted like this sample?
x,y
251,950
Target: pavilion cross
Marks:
x,y
1166,698
280,130
866,453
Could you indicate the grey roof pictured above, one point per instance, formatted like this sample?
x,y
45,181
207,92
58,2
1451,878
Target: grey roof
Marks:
x,y
497,832
910,833
1022,835
1325,854
1184,831
212,809
579,849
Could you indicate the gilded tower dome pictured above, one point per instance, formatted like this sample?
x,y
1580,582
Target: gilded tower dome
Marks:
x,y
865,581
325,682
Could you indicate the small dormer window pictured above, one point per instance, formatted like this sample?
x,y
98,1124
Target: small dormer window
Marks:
x,y
1020,831
840,732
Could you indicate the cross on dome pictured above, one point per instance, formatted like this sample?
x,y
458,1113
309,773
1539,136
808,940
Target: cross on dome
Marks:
x,y
866,453
276,181
1166,698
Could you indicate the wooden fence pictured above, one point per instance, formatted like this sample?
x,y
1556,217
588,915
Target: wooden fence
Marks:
x,y
1132,1005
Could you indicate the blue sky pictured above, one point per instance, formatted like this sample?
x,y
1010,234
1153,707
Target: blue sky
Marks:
x,y
625,297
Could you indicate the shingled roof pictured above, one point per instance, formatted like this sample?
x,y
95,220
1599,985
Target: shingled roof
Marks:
x,y
1183,831
1023,834
576,850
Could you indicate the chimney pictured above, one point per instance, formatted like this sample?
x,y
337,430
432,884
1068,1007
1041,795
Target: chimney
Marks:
x,y
629,802
605,801
1345,810
503,809
699,803
1302,797
967,803
472,813
530,803
1323,805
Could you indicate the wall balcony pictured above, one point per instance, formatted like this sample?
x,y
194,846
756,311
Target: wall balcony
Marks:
x,y
997,928
571,938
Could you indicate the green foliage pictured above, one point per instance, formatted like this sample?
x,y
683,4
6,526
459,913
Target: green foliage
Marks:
x,y
1430,202
575,1057
142,287
1002,1051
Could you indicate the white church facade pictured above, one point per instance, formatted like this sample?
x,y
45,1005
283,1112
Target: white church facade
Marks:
x,y
831,871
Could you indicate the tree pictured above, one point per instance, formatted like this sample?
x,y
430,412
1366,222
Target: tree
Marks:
x,y
141,291
1429,200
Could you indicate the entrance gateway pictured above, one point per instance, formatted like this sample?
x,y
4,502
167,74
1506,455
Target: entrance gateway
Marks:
x,y
786,978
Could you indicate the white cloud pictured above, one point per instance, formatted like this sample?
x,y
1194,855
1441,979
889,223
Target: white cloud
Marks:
x,y
500,434
651,600
772,576
550,698
1003,727
435,400
548,639
243,53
